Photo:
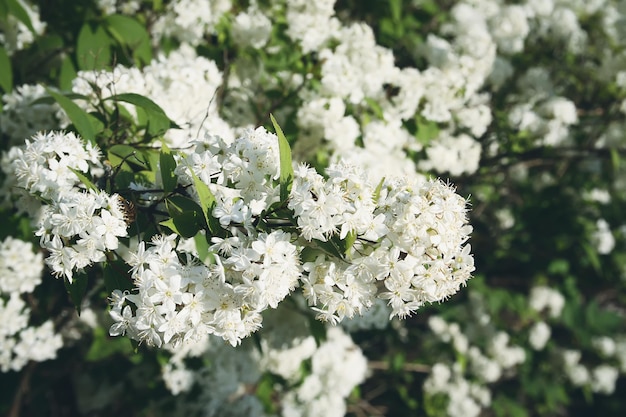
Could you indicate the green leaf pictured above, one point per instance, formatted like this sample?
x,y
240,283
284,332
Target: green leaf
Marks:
x,y
592,257
103,346
615,159
202,246
395,7
4,10
426,131
93,47
78,116
77,289
83,178
378,111
127,155
348,241
16,9
207,202
116,276
67,74
286,167
6,73
377,190
158,122
186,225
132,34
168,165
186,216
177,205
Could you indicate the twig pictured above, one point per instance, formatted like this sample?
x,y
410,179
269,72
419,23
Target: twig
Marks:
x,y
409,367
21,390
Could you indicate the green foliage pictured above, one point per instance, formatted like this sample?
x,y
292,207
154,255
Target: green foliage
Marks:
x,y
85,126
6,73
286,168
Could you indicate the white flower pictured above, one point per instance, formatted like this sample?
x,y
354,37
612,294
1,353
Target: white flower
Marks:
x,y
539,335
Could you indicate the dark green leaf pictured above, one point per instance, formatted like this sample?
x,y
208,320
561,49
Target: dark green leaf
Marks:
x,y
395,7
77,289
168,165
116,276
158,122
426,131
103,346
80,118
6,73
186,225
67,74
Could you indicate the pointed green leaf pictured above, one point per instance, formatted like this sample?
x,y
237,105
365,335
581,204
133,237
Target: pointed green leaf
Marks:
x,y
78,116
93,47
348,241
615,158
132,34
377,191
168,165
186,225
395,7
207,202
158,122
6,73
426,130
83,178
202,246
116,276
67,73
16,9
77,289
286,167
126,154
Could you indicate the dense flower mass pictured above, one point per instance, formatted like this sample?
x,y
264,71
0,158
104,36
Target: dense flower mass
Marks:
x,y
21,341
262,274
400,241
76,225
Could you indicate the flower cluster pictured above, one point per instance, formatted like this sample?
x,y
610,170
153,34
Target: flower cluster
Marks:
x,y
76,225
406,246
408,237
176,302
285,347
20,273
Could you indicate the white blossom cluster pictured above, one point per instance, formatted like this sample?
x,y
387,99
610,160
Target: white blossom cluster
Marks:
x,y
337,365
20,273
77,226
189,21
408,247
181,83
465,398
20,267
601,378
128,7
419,230
177,302
488,356
22,115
